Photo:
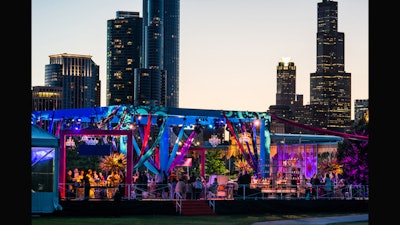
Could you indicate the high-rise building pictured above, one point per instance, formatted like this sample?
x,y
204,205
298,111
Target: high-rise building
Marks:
x,y
285,82
285,106
330,85
78,76
46,98
124,46
157,83
171,51
149,78
360,109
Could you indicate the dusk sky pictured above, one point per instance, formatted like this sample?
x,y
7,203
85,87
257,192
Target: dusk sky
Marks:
x,y
229,49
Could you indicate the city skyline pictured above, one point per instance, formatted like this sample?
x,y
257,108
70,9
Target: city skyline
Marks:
x,y
228,56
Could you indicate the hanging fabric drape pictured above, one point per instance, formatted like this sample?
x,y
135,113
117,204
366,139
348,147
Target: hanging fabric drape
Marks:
x,y
148,164
243,127
183,151
234,134
319,130
146,136
121,121
58,129
146,155
176,146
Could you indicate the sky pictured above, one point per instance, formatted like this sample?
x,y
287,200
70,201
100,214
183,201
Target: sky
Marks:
x,y
229,49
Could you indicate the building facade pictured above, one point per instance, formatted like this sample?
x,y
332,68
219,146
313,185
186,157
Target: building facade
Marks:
x,y
46,98
285,82
360,109
171,51
285,106
124,46
78,76
330,85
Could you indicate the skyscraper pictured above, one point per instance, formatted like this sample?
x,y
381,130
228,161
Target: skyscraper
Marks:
x,y
360,109
330,85
150,79
285,82
157,83
78,76
124,42
171,50
285,95
46,98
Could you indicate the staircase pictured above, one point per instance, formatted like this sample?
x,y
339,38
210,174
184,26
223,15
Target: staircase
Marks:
x,y
196,208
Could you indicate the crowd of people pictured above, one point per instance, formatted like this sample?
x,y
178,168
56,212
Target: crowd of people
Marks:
x,y
326,185
90,184
84,185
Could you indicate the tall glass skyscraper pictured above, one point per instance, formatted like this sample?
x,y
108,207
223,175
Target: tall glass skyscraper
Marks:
x,y
124,42
330,85
79,78
157,83
171,50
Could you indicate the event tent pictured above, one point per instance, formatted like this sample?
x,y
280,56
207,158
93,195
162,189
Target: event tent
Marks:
x,y
44,171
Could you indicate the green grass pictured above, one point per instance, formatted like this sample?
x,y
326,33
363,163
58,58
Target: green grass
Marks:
x,y
350,223
176,220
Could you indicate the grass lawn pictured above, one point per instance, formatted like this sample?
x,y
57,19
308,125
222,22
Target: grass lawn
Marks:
x,y
175,220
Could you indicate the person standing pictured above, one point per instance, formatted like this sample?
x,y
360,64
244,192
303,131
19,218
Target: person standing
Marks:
x,y
214,186
80,185
316,183
198,187
180,187
142,183
244,181
188,189
308,189
328,186
86,186
192,178
70,191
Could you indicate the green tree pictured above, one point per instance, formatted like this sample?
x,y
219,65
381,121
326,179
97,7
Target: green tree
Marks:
x,y
215,162
74,160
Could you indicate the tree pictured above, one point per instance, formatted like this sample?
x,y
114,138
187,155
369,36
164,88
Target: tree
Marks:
x,y
352,155
215,163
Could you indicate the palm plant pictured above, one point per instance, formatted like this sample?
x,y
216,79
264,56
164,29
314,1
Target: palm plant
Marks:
x,y
113,162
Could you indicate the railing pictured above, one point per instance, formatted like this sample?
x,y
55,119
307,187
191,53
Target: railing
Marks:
x,y
178,203
211,200
241,192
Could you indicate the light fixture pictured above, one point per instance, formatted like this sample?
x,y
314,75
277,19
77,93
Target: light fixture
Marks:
x,y
214,140
70,142
244,137
91,140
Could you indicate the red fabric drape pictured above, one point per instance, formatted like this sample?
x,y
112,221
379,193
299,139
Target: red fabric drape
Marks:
x,y
246,157
319,130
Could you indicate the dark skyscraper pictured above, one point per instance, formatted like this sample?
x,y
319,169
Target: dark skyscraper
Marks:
x,y
286,82
171,50
124,41
330,85
285,95
157,83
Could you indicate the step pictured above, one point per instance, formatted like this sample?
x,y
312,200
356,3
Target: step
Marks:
x,y
196,208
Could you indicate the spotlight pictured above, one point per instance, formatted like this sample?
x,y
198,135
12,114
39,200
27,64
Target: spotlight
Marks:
x,y
159,121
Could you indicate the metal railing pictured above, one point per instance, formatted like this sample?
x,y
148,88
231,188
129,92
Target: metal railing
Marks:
x,y
241,192
178,203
